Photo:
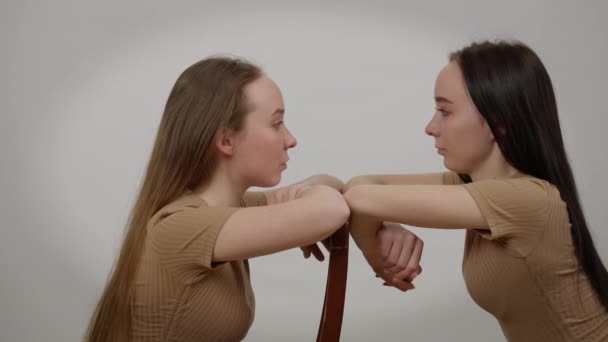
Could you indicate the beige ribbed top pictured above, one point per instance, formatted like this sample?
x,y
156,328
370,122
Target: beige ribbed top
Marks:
x,y
180,294
523,270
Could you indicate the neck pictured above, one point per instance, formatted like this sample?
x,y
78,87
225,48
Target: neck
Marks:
x,y
221,189
495,166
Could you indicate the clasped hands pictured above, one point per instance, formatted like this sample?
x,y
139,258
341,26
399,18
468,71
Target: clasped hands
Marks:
x,y
394,255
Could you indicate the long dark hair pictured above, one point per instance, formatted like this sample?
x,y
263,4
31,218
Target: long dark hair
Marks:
x,y
513,92
206,98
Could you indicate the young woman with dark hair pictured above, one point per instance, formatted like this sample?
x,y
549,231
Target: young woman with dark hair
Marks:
x,y
529,259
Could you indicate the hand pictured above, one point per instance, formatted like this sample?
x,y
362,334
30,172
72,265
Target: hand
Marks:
x,y
400,250
285,194
315,250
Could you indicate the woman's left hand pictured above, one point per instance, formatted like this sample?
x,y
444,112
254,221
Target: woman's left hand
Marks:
x,y
401,251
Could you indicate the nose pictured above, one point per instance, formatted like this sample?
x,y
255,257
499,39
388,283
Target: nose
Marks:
x,y
290,140
432,128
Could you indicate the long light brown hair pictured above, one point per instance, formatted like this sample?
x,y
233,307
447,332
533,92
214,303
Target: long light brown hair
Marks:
x,y
206,98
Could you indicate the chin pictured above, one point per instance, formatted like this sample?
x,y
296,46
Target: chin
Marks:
x,y
277,180
451,167
457,169
447,166
269,182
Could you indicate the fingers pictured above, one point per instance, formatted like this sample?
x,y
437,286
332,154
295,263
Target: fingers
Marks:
x,y
316,251
395,252
286,194
407,268
306,251
296,189
401,252
405,254
413,266
293,191
326,244
402,285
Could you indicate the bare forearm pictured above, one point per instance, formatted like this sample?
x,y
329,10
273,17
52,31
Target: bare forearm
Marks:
x,y
364,230
361,180
430,206
395,179
313,215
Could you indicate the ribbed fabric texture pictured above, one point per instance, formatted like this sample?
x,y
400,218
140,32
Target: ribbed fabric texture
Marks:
x,y
180,294
523,270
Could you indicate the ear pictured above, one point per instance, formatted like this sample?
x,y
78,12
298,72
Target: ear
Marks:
x,y
501,132
224,142
488,130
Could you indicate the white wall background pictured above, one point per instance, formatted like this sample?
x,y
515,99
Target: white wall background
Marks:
x,y
82,89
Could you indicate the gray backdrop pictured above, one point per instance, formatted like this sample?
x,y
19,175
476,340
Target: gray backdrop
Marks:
x,y
82,90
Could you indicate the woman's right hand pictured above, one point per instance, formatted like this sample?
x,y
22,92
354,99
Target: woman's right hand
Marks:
x,y
286,194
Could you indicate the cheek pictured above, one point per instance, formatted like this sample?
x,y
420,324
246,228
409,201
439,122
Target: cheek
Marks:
x,y
270,141
258,139
467,138
265,147
456,134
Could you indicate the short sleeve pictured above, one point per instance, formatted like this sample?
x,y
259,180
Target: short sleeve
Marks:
x,y
516,210
254,199
184,239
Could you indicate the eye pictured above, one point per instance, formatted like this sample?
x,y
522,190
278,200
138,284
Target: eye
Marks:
x,y
441,111
278,124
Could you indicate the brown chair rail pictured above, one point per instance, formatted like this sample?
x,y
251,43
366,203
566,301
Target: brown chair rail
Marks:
x,y
335,289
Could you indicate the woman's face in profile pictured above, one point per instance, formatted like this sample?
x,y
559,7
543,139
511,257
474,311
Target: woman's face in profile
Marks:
x,y
261,146
462,135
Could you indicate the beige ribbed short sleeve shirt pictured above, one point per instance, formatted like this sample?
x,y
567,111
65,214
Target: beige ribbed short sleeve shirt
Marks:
x,y
523,269
180,294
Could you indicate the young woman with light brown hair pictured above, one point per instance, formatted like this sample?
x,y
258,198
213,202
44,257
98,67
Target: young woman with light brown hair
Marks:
x,y
182,273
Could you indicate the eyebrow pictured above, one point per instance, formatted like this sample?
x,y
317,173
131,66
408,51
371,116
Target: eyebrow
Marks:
x,y
278,111
442,99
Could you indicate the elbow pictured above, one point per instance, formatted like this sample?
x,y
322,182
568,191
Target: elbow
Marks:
x,y
337,213
340,210
354,199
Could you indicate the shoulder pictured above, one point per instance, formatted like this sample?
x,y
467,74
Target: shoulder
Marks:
x,y
187,211
523,200
517,209
524,188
